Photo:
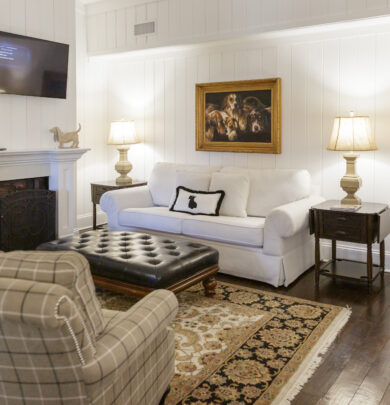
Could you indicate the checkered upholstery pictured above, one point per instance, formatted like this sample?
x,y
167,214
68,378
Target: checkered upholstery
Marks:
x,y
63,268
47,356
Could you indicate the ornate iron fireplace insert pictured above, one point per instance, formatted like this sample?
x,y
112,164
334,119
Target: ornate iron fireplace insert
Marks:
x,y
27,213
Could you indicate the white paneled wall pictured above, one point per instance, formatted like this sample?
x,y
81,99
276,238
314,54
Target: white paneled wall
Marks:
x,y
25,121
324,73
110,23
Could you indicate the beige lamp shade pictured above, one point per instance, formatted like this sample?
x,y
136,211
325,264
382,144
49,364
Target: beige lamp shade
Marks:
x,y
352,134
122,133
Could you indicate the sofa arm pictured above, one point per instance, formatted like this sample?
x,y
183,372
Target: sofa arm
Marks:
x,y
290,219
114,201
287,226
127,335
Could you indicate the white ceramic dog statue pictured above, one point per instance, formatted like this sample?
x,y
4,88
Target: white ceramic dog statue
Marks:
x,y
66,137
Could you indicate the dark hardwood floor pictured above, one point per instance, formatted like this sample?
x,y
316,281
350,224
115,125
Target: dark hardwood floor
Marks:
x,y
356,368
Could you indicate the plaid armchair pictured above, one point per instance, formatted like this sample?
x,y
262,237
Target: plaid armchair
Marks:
x,y
58,346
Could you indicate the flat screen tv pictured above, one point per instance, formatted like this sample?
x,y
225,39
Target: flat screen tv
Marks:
x,y
33,67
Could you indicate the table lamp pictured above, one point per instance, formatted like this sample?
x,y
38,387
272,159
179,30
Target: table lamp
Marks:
x,y
123,133
351,134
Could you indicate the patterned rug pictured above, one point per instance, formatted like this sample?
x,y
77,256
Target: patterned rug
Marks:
x,y
244,346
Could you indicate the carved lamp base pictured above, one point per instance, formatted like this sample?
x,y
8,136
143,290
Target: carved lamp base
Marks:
x,y
351,182
123,167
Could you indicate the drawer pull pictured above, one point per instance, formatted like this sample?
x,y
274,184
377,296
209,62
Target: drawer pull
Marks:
x,y
341,219
342,233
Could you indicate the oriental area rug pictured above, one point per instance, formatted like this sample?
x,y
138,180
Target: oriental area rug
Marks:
x,y
244,346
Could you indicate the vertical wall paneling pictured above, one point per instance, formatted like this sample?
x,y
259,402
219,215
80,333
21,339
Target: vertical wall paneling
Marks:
x,y
25,121
324,74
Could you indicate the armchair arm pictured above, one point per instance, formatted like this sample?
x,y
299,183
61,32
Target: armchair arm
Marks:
x,y
114,201
127,335
286,221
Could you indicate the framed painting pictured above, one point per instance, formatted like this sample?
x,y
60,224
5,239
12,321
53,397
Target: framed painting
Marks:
x,y
241,116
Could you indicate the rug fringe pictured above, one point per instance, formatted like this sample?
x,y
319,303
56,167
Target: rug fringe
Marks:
x,y
313,360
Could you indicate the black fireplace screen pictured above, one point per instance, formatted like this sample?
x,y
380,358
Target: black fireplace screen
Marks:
x,y
27,215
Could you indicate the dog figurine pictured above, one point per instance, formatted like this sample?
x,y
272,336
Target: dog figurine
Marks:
x,y
66,137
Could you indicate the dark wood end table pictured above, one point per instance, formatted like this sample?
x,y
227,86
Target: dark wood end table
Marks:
x,y
101,187
369,224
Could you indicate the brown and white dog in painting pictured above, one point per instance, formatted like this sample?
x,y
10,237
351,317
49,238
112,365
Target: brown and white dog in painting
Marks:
x,y
231,105
231,125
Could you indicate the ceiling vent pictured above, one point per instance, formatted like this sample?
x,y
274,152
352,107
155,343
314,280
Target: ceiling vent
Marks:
x,y
145,28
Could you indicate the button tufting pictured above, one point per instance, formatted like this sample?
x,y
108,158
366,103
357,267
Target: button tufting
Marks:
x,y
151,254
100,251
174,253
195,245
154,262
171,247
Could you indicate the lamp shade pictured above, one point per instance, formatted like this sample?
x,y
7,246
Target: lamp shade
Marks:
x,y
122,133
352,134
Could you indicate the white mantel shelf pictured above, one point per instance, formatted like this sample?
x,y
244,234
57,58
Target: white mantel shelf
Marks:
x,y
32,156
57,164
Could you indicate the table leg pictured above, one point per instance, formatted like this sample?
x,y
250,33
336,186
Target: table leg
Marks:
x,y
334,250
317,260
369,266
94,216
382,259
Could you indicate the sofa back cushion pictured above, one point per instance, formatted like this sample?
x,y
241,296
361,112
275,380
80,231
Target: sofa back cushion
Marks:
x,y
270,188
236,188
162,181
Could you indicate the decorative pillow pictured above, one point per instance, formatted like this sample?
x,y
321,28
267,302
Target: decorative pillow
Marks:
x,y
197,202
236,187
192,180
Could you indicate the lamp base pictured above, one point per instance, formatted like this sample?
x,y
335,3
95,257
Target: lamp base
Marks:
x,y
123,167
351,182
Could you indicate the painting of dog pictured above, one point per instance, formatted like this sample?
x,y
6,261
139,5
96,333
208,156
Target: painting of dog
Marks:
x,y
239,116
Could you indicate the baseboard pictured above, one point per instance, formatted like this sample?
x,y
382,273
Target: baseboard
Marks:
x,y
86,220
353,252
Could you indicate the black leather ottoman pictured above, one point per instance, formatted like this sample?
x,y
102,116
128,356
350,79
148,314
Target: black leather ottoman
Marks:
x,y
137,263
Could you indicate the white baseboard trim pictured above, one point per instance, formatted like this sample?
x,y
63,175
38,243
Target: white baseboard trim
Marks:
x,y
85,220
353,252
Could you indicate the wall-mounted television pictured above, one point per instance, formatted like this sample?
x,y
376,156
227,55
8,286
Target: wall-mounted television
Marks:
x,y
33,67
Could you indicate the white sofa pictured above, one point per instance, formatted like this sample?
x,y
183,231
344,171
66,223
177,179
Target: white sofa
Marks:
x,y
272,244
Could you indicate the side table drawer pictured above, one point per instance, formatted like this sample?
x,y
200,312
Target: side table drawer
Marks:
x,y
98,191
343,226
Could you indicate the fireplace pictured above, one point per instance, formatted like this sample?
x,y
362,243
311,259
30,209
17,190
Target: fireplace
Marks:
x,y
46,171
27,213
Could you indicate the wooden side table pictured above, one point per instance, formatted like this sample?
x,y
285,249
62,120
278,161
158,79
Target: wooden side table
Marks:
x,y
101,187
368,225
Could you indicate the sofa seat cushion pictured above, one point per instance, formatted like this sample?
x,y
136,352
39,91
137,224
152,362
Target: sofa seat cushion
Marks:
x,y
247,231
157,218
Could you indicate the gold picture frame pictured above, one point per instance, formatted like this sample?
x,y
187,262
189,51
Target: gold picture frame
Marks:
x,y
239,116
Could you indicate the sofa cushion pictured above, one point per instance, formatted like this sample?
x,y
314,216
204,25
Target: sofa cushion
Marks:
x,y
162,181
197,202
157,218
192,180
270,188
236,188
247,231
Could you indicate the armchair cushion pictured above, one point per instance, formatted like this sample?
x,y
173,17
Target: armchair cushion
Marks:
x,y
125,342
67,269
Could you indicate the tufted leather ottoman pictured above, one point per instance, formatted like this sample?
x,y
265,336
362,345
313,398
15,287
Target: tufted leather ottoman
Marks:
x,y
138,263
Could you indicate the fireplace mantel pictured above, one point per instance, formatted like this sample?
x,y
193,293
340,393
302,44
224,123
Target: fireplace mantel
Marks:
x,y
59,165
